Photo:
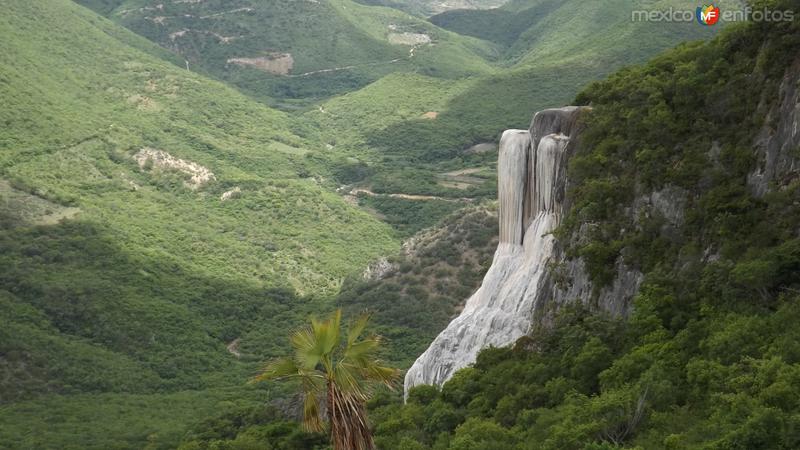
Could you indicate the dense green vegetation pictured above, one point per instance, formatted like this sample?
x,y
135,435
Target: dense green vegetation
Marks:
x,y
426,284
410,216
657,125
123,282
410,303
708,359
121,421
709,356
483,71
136,298
336,45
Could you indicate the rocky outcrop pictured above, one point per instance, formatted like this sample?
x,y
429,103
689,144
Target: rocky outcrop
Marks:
x,y
531,275
569,282
409,38
231,194
159,159
777,145
522,282
379,269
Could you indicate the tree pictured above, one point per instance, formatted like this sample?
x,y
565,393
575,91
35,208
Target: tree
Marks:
x,y
337,377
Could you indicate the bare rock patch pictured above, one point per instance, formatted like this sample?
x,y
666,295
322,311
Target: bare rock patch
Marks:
x,y
160,159
274,63
409,38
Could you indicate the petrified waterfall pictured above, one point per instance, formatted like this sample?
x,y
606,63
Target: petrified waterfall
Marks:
x,y
531,166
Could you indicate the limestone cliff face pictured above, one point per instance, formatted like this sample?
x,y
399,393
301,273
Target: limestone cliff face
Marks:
x,y
520,285
777,143
532,276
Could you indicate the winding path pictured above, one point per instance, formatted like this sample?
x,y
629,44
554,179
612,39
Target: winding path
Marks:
x,y
337,69
354,192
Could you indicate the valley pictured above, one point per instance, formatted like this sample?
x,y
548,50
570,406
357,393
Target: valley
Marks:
x,y
183,183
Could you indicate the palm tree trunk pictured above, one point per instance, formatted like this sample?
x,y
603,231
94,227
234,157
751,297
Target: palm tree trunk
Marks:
x,y
348,419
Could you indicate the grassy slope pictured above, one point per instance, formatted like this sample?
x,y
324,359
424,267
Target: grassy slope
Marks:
x,y
427,8
549,51
142,289
507,62
320,35
74,118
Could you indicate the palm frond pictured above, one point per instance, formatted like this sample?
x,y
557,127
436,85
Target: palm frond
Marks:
x,y
312,414
315,344
306,348
347,380
327,332
388,376
363,351
277,369
357,327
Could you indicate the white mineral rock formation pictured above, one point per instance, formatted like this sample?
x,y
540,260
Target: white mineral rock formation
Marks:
x,y
162,160
531,181
231,194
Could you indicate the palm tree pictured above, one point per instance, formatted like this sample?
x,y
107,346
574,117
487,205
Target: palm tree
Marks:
x,y
337,376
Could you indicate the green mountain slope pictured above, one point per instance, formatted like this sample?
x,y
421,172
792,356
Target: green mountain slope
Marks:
x,y
413,129
414,122
502,25
708,358
150,217
535,31
298,49
78,115
427,8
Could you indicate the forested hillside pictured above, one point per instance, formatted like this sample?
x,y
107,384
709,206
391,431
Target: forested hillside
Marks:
x,y
286,52
401,100
415,129
708,357
150,218
184,182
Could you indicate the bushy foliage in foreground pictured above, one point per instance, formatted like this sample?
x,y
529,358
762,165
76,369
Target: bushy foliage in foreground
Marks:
x,y
727,379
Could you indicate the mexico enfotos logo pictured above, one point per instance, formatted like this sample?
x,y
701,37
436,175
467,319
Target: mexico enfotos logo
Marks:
x,y
709,15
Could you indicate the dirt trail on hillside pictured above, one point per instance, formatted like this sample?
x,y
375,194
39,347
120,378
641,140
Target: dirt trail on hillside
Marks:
x,y
356,191
356,66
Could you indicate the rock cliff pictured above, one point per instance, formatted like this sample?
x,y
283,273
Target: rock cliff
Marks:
x,y
520,286
532,275
777,143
